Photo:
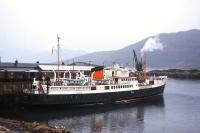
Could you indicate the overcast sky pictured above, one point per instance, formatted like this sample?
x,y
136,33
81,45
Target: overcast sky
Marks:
x,y
91,25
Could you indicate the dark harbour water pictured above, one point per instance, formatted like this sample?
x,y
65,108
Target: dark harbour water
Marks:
x,y
178,111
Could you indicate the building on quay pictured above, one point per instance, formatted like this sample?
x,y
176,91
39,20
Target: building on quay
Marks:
x,y
27,71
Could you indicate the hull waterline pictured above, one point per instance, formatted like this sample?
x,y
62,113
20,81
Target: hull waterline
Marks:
x,y
95,98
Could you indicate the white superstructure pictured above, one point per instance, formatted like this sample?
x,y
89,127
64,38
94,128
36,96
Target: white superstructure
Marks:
x,y
115,79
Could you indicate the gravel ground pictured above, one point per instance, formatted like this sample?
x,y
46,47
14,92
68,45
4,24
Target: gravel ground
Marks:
x,y
15,126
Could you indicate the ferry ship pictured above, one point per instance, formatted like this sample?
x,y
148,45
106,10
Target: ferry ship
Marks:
x,y
102,85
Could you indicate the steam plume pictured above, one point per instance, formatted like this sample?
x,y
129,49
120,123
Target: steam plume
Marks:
x,y
152,44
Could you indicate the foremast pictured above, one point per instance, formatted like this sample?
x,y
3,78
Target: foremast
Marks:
x,y
58,56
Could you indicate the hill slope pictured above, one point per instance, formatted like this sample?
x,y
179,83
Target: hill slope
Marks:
x,y
179,50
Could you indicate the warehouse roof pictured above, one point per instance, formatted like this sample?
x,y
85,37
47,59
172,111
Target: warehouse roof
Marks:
x,y
64,67
7,66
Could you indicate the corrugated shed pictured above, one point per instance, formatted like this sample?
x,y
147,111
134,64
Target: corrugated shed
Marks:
x,y
64,67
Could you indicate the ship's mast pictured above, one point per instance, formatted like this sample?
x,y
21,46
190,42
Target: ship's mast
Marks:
x,y
58,56
145,66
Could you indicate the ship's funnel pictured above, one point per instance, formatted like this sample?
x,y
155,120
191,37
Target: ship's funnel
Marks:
x,y
97,73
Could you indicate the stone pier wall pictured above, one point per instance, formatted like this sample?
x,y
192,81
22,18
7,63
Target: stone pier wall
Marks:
x,y
11,92
14,87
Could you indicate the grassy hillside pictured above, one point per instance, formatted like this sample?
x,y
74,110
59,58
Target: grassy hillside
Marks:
x,y
180,50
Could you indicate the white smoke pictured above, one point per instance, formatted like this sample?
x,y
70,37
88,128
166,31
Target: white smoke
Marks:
x,y
152,44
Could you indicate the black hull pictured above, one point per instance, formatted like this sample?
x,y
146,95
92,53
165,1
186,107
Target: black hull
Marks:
x,y
81,99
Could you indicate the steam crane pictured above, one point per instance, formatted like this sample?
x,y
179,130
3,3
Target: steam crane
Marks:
x,y
138,64
140,67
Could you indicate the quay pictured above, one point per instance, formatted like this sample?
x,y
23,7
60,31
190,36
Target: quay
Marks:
x,y
17,77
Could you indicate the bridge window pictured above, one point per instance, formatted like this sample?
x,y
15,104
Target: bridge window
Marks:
x,y
93,88
106,87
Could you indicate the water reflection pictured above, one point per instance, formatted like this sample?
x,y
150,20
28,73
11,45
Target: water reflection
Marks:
x,y
178,112
108,118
